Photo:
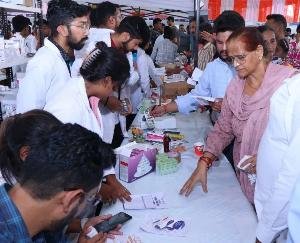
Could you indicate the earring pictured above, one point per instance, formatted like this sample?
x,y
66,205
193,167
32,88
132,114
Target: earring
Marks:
x,y
260,58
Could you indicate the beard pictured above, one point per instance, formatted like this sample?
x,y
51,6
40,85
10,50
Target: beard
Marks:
x,y
224,59
76,45
125,47
59,225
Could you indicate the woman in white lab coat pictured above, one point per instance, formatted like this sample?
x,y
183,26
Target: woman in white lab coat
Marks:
x,y
102,72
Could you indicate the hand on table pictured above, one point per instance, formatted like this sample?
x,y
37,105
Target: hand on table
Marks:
x,y
199,175
251,169
158,110
119,191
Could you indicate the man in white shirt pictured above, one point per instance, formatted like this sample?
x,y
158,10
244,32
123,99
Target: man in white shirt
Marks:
x,y
30,42
278,164
216,76
49,70
294,216
22,31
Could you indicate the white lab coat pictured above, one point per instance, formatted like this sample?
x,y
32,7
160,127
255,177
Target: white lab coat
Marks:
x,y
278,164
46,74
30,44
71,105
142,88
110,118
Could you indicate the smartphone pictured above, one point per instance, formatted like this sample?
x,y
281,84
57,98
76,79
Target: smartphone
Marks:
x,y
112,223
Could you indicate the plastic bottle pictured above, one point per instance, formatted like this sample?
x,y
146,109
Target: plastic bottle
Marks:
x,y
166,142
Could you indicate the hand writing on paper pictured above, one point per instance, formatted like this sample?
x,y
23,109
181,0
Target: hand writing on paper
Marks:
x,y
199,175
252,168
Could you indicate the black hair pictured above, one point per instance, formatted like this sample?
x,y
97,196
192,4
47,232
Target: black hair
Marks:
x,y
278,18
228,20
171,18
192,19
264,28
284,45
105,61
62,12
134,25
144,31
68,157
19,131
298,29
205,27
156,21
20,22
169,33
100,15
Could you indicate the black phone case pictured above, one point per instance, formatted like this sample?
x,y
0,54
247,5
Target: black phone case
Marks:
x,y
112,223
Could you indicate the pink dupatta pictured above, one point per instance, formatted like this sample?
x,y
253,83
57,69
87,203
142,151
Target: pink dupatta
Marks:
x,y
254,111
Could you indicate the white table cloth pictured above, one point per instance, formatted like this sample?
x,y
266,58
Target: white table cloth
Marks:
x,y
222,215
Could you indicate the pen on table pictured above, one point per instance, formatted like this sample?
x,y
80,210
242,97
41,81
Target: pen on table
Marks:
x,y
160,220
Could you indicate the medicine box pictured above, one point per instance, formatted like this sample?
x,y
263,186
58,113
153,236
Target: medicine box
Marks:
x,y
136,161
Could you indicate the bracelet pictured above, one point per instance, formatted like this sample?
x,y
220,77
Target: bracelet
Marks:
x,y
207,160
105,104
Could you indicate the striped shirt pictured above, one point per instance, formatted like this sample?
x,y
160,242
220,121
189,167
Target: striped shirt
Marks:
x,y
12,225
206,55
164,52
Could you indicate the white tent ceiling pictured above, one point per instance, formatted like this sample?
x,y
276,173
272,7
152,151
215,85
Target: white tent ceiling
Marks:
x,y
183,5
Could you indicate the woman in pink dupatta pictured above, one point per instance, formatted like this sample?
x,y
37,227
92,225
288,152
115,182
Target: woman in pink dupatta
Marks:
x,y
245,108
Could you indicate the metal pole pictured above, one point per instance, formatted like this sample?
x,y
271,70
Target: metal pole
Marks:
x,y
197,32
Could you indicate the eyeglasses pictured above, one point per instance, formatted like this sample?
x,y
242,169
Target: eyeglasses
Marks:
x,y
83,26
240,59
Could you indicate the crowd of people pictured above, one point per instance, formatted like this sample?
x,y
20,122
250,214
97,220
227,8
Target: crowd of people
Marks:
x,y
81,92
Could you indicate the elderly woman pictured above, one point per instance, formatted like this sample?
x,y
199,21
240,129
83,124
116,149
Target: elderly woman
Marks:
x,y
245,108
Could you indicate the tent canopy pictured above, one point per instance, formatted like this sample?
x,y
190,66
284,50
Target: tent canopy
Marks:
x,y
176,8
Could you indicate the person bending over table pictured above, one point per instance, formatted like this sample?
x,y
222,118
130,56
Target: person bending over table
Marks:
x,y
104,70
245,108
53,171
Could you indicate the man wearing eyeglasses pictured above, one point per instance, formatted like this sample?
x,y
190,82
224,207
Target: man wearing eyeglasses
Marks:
x,y
57,185
50,68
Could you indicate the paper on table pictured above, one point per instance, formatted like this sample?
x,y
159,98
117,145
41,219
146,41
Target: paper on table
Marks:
x,y
251,177
149,227
174,78
206,98
197,73
191,81
146,201
168,122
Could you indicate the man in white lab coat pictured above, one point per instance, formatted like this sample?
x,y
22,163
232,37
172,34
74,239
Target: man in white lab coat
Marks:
x,y
126,37
49,70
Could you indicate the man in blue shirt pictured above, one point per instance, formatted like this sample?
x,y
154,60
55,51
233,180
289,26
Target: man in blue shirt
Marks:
x,y
217,74
58,181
